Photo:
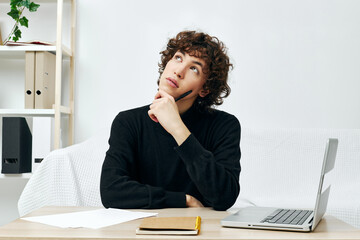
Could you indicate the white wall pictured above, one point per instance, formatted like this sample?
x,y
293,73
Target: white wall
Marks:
x,y
296,62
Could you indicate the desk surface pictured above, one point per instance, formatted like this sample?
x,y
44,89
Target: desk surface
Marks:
x,y
328,228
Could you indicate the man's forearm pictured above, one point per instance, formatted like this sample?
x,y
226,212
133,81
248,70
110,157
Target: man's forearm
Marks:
x,y
181,134
218,185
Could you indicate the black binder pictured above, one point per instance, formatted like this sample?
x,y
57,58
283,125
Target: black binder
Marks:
x,y
16,145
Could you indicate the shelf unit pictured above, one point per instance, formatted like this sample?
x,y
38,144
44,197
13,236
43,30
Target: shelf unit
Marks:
x,y
18,52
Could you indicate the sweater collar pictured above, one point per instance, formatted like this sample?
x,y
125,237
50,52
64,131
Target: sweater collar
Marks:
x,y
189,115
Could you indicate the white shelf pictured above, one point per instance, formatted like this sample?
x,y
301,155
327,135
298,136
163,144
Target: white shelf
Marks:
x,y
18,52
37,1
33,112
63,53
27,112
20,175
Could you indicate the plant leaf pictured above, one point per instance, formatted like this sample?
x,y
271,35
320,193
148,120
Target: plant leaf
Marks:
x,y
25,3
14,13
24,21
15,2
17,34
33,7
13,7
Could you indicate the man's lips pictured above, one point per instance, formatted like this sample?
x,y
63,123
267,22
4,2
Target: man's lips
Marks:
x,y
172,82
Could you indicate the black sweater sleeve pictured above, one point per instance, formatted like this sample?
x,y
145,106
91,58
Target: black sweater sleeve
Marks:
x,y
216,172
118,185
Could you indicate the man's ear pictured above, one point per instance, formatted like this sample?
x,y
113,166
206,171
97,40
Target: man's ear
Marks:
x,y
204,92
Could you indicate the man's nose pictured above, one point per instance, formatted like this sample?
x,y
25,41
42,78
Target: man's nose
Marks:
x,y
180,72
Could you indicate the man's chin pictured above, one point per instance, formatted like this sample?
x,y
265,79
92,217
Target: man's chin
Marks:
x,y
169,90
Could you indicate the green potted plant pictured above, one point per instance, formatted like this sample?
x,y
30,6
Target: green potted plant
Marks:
x,y
17,13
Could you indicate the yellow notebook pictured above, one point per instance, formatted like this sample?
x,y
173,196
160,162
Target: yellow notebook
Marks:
x,y
170,226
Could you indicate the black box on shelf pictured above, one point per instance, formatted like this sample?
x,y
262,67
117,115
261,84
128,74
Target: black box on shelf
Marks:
x,y
16,145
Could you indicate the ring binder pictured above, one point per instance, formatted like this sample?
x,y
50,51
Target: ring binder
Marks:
x,y
44,80
16,145
29,79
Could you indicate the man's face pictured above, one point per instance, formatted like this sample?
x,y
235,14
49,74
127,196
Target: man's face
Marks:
x,y
183,73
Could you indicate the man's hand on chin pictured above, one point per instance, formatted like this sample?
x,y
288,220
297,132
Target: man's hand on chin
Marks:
x,y
192,202
165,111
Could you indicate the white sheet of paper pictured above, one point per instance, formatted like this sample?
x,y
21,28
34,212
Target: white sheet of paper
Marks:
x,y
90,219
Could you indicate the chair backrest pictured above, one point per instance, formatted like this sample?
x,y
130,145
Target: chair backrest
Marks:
x,y
67,177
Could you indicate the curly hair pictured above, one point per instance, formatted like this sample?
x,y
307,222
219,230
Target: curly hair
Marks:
x,y
213,52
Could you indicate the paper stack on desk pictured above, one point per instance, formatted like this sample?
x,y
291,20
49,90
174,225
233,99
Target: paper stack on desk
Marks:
x,y
90,219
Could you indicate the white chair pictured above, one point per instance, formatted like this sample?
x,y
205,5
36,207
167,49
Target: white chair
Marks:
x,y
67,177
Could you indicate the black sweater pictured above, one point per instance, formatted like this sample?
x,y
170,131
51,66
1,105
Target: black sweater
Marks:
x,y
144,167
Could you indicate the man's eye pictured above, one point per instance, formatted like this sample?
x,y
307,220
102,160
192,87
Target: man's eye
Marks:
x,y
194,69
178,58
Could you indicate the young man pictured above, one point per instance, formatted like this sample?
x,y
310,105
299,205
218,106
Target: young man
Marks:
x,y
177,153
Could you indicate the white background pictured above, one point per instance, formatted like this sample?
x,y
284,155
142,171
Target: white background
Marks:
x,y
297,63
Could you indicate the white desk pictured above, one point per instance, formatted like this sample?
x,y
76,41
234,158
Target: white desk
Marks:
x,y
328,228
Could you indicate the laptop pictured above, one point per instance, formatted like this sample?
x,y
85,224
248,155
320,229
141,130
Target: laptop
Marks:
x,y
288,219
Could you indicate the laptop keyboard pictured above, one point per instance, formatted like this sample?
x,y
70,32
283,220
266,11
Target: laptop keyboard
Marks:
x,y
287,216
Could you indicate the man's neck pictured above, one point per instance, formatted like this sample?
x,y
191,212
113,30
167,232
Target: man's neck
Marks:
x,y
183,106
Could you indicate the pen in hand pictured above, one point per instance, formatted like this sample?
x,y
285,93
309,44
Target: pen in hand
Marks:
x,y
183,95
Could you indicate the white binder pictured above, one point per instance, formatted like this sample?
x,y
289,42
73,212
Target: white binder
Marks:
x,y
30,79
44,80
42,139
